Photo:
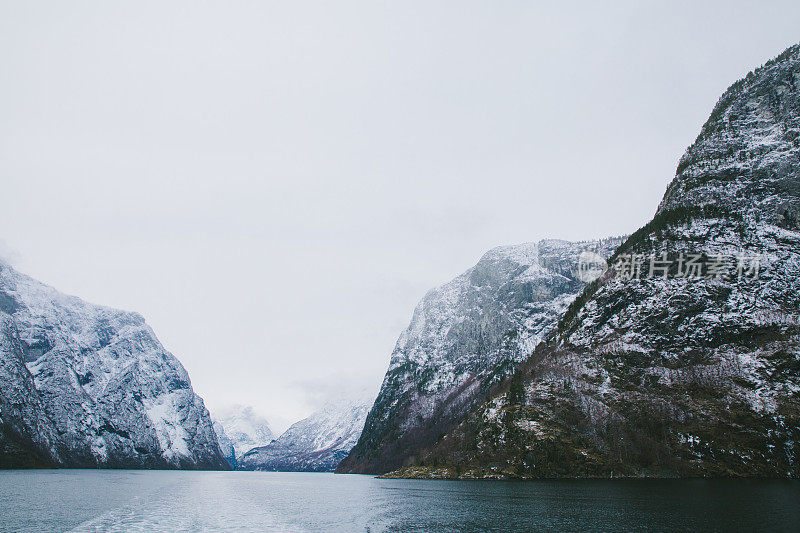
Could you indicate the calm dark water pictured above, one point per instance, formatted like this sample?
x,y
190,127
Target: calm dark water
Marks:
x,y
91,500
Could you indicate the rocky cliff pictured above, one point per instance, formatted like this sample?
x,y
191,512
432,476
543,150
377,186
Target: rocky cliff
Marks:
x,y
464,337
683,359
88,386
225,445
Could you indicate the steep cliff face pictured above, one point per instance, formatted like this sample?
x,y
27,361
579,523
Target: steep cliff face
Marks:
x,y
315,444
677,369
226,445
465,336
88,386
27,438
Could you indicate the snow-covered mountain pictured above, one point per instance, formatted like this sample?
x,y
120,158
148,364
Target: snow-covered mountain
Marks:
x,y
315,444
463,337
684,370
225,445
88,386
242,427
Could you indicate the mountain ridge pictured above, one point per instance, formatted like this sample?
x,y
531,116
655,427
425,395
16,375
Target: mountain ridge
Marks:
x,y
675,374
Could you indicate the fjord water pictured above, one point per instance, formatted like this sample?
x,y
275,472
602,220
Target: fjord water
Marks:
x,y
97,500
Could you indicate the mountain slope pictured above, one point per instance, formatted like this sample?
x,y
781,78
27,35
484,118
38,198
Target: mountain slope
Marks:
x,y
225,444
683,372
88,386
463,337
315,444
243,428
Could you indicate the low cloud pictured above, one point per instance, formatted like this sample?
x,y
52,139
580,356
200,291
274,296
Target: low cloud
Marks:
x,y
8,255
319,392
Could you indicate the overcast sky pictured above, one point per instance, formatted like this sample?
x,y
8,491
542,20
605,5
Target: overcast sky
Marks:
x,y
275,185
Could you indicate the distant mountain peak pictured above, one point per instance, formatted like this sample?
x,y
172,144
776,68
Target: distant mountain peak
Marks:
x,y
317,443
243,427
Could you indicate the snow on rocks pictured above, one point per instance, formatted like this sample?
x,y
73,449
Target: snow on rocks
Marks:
x,y
100,388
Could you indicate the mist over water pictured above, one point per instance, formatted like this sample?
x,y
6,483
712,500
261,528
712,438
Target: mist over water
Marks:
x,y
90,500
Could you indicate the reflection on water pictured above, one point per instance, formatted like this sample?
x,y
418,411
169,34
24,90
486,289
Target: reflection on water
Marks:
x,y
90,500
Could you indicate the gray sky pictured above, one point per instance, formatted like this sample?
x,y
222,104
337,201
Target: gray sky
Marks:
x,y
275,185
